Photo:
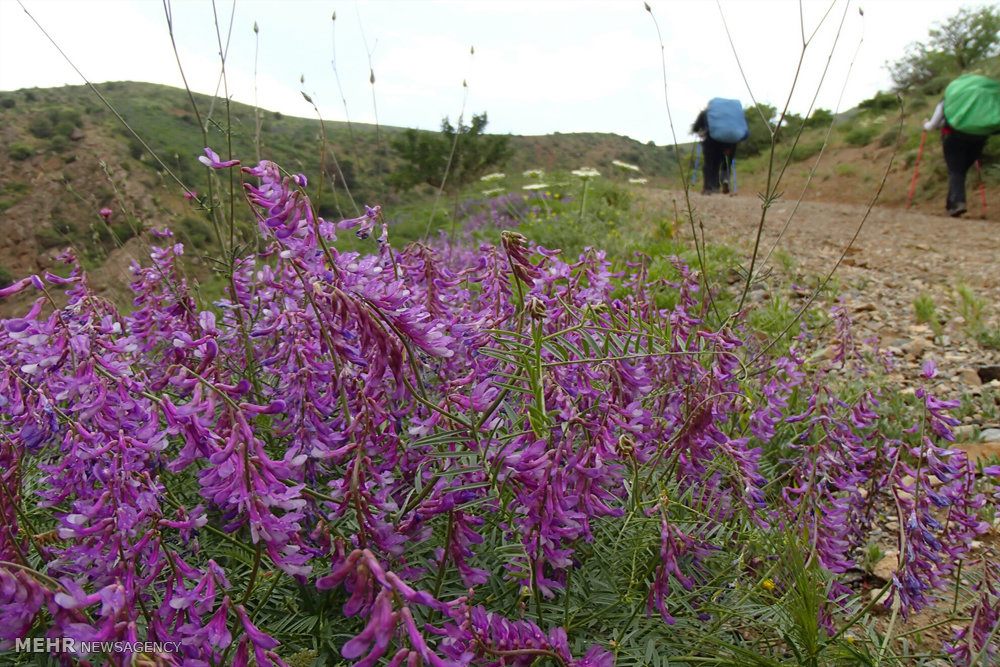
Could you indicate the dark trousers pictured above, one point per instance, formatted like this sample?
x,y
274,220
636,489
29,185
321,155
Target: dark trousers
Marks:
x,y
960,152
716,160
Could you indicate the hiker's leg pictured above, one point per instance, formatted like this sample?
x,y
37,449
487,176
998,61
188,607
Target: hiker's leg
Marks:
x,y
727,166
956,157
711,153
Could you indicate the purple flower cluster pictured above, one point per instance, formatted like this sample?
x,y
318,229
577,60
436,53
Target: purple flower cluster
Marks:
x,y
411,414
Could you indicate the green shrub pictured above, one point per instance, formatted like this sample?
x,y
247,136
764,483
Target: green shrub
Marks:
x,y
20,152
861,135
197,233
123,231
845,169
805,150
64,128
820,118
6,278
759,140
135,148
889,137
8,102
881,102
59,143
47,237
41,127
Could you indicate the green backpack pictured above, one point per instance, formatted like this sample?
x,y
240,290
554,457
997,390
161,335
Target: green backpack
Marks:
x,y
972,104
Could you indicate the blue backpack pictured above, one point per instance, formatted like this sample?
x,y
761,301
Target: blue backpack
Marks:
x,y
726,121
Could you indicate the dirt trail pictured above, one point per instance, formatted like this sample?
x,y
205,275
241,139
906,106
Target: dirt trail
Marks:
x,y
897,256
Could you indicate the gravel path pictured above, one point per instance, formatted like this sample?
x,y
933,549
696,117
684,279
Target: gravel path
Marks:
x,y
898,256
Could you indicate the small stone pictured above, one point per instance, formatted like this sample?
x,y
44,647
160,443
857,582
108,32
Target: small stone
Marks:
x,y
979,451
76,134
885,568
916,347
990,435
969,377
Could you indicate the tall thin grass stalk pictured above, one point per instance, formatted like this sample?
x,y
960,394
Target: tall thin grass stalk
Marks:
x,y
223,53
369,51
699,249
256,106
324,147
857,232
451,157
202,124
224,79
826,142
336,74
770,194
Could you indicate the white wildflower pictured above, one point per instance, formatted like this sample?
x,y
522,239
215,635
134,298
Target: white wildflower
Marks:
x,y
625,165
534,173
535,186
492,192
585,173
495,176
638,181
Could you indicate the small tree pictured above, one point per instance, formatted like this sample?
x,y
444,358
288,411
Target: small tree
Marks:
x,y
967,38
760,132
820,118
425,155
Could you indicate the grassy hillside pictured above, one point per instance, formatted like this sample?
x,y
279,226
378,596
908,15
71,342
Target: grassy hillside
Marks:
x,y
64,156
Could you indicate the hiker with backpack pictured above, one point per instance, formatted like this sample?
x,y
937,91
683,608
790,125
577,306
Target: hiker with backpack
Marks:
x,y
721,125
967,116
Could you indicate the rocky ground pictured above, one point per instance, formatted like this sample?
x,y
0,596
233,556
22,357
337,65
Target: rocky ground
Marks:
x,y
897,257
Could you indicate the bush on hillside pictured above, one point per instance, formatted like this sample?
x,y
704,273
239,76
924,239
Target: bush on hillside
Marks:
x,y
861,135
20,152
819,118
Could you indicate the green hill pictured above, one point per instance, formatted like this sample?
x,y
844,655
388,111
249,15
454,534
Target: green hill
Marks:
x,y
64,156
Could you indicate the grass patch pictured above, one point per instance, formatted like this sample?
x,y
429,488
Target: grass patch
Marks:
x,y
925,312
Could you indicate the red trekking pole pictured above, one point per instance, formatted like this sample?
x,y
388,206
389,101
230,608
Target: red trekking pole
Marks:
x,y
916,170
982,190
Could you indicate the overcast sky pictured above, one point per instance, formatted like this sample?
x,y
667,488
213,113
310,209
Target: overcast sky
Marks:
x,y
539,66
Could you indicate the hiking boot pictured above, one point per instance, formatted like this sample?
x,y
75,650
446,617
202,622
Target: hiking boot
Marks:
x,y
725,187
957,209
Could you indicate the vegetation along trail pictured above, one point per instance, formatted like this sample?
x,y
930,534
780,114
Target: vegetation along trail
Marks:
x,y
900,258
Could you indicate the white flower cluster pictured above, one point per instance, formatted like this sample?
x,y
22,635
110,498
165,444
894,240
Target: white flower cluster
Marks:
x,y
535,186
638,181
495,176
585,173
534,173
625,165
